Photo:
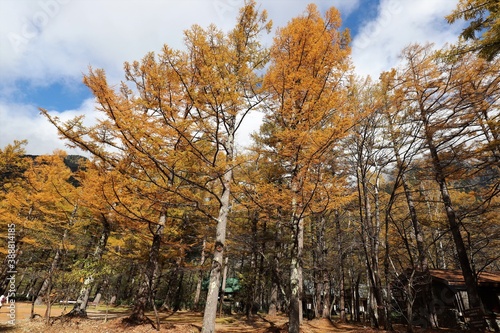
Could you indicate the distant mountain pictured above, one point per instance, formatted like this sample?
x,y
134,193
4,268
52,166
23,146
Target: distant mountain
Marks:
x,y
73,162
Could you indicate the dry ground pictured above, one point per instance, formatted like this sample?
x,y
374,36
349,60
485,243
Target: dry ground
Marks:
x,y
180,322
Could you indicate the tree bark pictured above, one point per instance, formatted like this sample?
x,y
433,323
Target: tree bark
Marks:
x,y
145,293
370,240
210,312
325,313
342,314
467,272
322,296
200,275
223,287
296,280
357,299
180,280
375,255
273,304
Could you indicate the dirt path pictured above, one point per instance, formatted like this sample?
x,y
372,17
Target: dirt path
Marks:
x,y
180,322
110,321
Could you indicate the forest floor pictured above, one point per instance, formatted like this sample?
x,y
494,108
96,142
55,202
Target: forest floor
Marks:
x,y
104,320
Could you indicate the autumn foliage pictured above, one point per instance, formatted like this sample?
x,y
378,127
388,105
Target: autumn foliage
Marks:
x,y
350,183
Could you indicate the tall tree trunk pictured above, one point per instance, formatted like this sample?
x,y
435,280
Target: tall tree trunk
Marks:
x,y
387,254
319,263
200,275
375,255
315,271
433,215
410,300
148,278
223,286
273,304
387,298
340,253
357,299
422,263
467,272
180,281
318,291
253,274
402,167
419,235
370,235
261,278
342,314
296,282
250,294
210,312
325,313
296,264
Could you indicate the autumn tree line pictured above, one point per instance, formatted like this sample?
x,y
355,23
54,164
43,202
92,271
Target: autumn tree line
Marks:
x,y
349,183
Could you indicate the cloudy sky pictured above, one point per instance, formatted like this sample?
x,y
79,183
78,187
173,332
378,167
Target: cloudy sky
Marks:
x,y
46,46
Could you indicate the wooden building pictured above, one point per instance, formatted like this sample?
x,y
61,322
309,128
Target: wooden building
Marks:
x,y
451,302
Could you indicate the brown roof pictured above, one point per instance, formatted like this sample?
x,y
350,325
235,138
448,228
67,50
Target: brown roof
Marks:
x,y
454,277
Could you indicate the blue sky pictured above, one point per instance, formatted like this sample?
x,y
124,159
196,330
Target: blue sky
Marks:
x,y
46,46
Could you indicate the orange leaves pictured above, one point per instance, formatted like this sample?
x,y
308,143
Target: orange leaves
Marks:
x,y
309,63
45,201
308,56
307,112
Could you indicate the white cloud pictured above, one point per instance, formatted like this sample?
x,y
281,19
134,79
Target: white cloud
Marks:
x,y
23,122
47,39
399,23
54,38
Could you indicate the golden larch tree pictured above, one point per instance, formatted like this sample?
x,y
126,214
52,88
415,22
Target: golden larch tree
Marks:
x,y
306,114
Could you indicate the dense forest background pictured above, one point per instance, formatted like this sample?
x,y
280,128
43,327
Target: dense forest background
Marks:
x,y
350,183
